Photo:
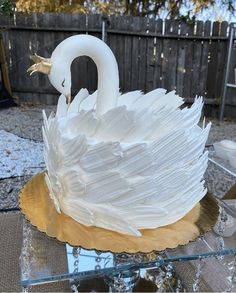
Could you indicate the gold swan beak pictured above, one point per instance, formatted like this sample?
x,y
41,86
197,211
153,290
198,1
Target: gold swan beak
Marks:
x,y
68,99
41,64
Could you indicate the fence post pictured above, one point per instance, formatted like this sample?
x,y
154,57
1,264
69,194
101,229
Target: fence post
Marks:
x,y
3,67
104,31
230,46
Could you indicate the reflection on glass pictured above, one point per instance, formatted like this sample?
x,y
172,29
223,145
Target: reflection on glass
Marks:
x,y
45,260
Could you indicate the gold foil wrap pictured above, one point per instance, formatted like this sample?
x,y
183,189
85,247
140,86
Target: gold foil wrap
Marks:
x,y
38,208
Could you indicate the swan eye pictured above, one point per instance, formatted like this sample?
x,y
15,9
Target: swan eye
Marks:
x,y
63,83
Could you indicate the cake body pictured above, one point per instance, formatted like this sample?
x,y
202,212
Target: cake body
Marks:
x,y
138,166
120,162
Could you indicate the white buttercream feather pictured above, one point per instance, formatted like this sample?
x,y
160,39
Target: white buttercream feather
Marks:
x,y
78,99
107,170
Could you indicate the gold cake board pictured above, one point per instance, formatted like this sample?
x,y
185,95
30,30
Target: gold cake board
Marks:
x,y
38,208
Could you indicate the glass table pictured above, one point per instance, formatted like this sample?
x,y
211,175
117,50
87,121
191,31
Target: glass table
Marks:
x,y
223,164
45,260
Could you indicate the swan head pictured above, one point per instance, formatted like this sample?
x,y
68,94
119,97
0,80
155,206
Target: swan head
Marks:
x,y
59,75
60,78
58,68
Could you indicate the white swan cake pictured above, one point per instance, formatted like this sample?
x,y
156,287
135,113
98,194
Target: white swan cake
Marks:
x,y
123,162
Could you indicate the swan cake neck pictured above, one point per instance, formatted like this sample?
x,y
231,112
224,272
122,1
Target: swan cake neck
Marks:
x,y
120,162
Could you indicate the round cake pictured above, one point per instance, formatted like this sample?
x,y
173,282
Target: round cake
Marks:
x,y
123,162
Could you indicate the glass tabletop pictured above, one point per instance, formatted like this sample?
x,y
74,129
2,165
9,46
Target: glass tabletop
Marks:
x,y
45,260
223,164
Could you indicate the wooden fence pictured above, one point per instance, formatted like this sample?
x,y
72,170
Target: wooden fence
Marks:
x,y
189,57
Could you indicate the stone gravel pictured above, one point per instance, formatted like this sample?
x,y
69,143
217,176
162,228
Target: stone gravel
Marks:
x,y
26,122
19,156
9,191
221,130
218,181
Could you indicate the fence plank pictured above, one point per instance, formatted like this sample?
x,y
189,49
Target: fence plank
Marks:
x,y
150,62
127,52
188,30
157,78
42,20
221,57
135,55
213,63
120,53
204,60
173,53
142,57
197,53
13,61
33,47
165,56
182,44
